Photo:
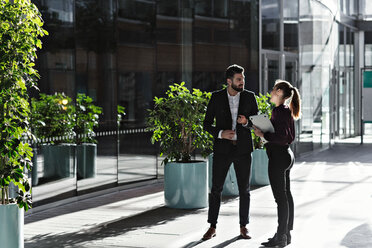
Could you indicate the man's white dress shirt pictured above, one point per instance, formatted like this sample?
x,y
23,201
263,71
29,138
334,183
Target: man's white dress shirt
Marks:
x,y
234,106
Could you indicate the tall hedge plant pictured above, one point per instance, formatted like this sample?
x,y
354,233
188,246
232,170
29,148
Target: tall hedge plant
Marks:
x,y
20,29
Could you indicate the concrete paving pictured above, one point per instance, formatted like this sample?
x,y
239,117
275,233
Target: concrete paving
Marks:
x,y
332,191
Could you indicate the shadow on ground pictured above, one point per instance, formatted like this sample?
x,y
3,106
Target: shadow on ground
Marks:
x,y
147,219
341,153
151,218
96,202
359,237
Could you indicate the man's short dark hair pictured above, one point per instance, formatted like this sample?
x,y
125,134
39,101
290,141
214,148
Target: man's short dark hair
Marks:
x,y
232,70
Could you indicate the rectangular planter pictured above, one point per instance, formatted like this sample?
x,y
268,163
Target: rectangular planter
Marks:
x,y
86,157
260,165
59,160
186,185
11,226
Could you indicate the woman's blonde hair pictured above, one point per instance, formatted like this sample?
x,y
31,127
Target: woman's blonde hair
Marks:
x,y
288,92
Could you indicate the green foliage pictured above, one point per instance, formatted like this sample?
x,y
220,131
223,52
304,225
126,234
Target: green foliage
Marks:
x,y
87,115
120,114
20,29
264,107
53,118
177,123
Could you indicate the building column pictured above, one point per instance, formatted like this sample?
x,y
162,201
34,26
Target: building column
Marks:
x,y
359,64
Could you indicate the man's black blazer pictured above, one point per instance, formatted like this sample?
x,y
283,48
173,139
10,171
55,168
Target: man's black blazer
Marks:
x,y
219,109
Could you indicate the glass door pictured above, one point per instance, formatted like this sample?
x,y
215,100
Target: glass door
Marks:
x,y
291,70
333,103
342,105
270,71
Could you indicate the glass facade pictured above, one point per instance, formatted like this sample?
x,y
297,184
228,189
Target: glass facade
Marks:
x,y
123,53
327,71
126,52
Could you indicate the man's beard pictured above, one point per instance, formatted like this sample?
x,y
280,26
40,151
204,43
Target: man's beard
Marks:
x,y
236,88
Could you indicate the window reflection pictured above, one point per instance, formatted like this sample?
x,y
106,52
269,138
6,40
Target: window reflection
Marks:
x,y
95,74
168,8
290,18
367,9
57,68
212,8
136,10
368,48
270,24
136,59
54,174
349,7
57,10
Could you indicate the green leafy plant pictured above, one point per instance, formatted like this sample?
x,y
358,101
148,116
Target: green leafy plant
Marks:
x,y
177,123
120,113
53,118
87,116
20,29
264,107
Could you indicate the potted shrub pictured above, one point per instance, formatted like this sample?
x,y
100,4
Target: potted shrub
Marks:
x,y
260,161
53,124
177,123
20,27
87,116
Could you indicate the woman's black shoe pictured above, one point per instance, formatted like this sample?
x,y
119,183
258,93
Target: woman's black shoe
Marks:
x,y
277,241
289,238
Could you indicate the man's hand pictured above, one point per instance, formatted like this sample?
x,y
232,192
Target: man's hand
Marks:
x,y
242,120
258,131
227,134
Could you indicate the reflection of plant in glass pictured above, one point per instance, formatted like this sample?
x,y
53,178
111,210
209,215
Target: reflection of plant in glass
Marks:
x,y
120,114
177,123
264,107
20,29
87,115
53,117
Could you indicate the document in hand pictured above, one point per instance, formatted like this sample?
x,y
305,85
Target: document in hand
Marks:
x,y
263,122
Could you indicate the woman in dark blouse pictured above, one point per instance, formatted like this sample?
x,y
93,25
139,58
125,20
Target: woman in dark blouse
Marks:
x,y
281,157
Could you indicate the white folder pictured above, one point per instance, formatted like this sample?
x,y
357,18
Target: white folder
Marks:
x,y
263,122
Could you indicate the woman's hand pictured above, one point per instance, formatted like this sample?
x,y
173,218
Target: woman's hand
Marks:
x,y
258,131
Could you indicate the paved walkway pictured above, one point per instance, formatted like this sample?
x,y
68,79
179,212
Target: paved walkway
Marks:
x,y
333,201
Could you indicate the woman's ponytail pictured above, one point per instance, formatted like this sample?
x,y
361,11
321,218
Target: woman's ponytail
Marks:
x,y
295,104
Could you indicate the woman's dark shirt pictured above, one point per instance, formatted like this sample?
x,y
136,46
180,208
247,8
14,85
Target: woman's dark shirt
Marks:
x,y
283,123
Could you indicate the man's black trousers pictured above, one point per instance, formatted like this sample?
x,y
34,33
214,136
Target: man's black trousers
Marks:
x,y
220,167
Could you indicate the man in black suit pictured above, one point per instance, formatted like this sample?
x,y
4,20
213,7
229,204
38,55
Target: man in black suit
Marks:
x,y
230,108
